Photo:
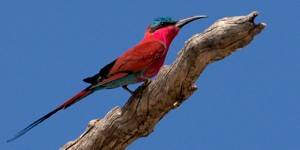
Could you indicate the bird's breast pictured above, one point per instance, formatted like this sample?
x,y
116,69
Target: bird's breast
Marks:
x,y
152,70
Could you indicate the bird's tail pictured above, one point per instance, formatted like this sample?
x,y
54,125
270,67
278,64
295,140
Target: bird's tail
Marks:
x,y
65,105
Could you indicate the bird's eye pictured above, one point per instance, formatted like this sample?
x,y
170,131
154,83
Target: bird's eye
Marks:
x,y
162,24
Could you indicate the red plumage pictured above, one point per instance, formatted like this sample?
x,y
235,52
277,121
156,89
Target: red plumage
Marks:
x,y
139,63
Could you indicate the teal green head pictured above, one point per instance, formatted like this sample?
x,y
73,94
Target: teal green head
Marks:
x,y
163,22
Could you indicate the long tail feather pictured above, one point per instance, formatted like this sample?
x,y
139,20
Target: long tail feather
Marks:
x,y
65,105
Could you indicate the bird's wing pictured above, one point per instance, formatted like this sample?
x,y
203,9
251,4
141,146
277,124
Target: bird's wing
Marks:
x,y
102,74
134,60
139,57
112,77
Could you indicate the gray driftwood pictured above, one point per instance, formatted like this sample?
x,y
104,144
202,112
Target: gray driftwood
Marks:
x,y
173,85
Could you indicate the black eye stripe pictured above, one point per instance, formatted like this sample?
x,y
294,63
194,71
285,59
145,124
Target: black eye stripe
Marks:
x,y
161,25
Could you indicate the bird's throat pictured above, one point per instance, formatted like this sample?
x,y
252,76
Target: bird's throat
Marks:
x,y
165,35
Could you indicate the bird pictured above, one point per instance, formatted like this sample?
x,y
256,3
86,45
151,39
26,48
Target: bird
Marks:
x,y
138,64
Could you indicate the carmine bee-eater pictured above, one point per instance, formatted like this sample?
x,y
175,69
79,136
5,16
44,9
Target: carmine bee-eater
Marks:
x,y
137,64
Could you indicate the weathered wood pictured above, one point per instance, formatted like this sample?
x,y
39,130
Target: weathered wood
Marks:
x,y
173,85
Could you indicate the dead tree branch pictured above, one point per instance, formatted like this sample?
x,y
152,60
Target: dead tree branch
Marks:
x,y
173,85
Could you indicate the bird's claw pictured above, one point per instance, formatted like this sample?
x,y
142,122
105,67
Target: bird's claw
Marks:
x,y
147,81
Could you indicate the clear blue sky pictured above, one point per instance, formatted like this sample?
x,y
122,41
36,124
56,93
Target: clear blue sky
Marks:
x,y
248,101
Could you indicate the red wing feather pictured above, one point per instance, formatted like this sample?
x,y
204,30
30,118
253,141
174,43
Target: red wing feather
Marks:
x,y
112,77
139,57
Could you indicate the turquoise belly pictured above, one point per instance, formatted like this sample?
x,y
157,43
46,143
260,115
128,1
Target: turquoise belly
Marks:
x,y
131,79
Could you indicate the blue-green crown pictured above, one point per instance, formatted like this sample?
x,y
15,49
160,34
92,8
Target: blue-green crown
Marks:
x,y
157,21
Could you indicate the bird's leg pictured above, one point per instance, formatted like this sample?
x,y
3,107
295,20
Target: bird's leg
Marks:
x,y
127,89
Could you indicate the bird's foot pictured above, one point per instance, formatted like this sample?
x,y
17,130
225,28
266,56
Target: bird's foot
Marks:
x,y
147,81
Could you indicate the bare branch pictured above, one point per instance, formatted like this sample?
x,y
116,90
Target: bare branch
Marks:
x,y
173,85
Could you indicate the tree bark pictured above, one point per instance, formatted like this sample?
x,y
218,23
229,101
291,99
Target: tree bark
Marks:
x,y
173,85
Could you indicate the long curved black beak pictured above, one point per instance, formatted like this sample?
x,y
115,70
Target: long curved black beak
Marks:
x,y
185,21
